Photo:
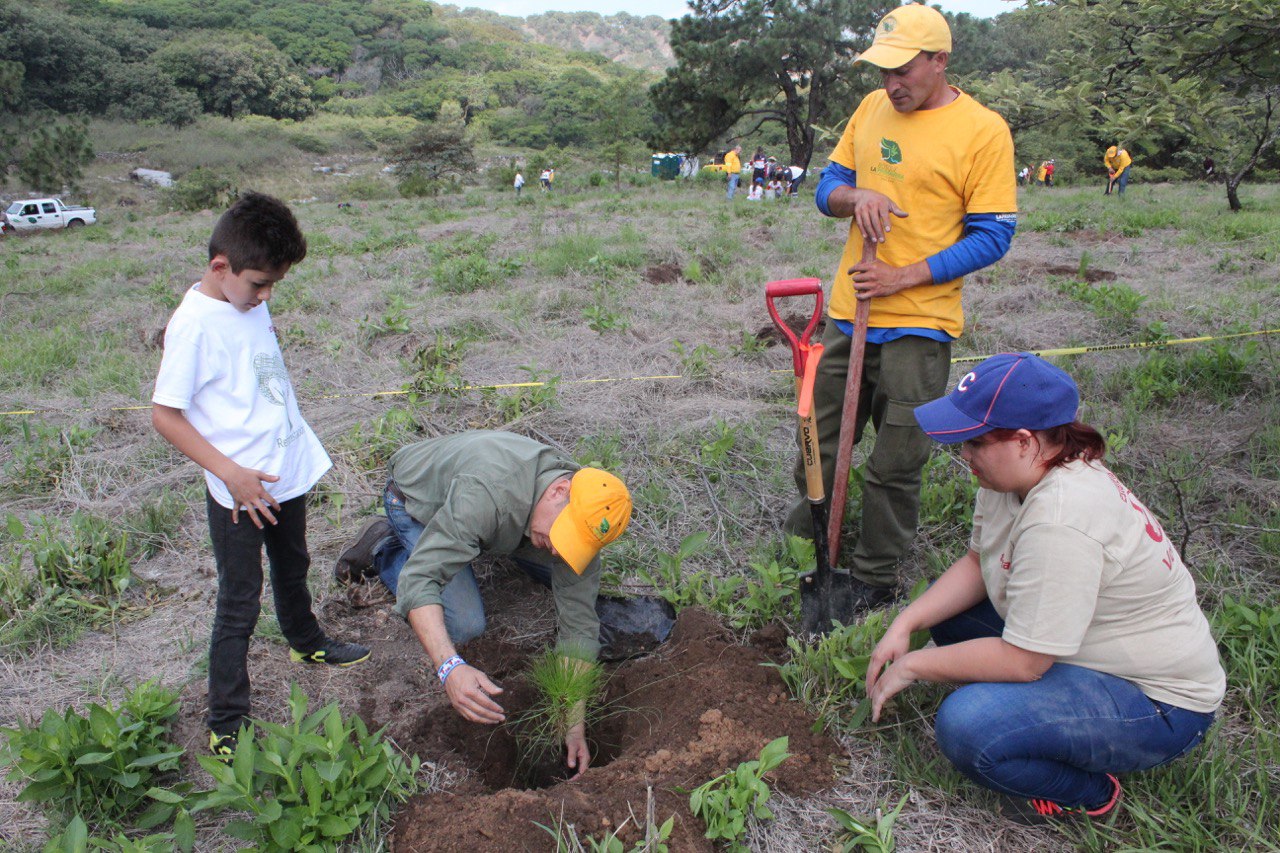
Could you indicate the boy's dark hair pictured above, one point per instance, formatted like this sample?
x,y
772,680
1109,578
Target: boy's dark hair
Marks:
x,y
258,232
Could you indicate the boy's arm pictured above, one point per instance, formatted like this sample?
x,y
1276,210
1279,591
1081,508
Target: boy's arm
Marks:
x,y
245,484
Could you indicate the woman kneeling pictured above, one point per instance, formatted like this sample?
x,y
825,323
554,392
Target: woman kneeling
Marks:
x,y
1071,620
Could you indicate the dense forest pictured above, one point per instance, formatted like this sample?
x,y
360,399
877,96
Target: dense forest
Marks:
x,y
172,60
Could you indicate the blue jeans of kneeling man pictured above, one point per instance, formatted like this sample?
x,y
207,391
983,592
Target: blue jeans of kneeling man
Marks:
x,y
1056,738
463,607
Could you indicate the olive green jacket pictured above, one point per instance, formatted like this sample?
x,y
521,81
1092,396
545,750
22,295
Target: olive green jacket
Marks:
x,y
474,492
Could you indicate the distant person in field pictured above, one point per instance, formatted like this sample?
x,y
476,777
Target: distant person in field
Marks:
x,y
518,183
1209,168
223,398
1071,621
733,168
1024,177
1117,161
759,167
450,499
1049,169
1042,173
925,172
795,177
545,180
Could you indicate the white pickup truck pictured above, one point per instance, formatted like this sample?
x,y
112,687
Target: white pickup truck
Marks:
x,y
31,213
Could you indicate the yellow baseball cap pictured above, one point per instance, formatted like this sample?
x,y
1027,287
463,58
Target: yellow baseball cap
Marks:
x,y
598,511
906,31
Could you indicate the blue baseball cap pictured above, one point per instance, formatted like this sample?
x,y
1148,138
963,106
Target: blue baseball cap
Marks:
x,y
1015,390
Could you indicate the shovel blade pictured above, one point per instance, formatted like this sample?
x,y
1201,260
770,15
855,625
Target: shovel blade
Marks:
x,y
820,608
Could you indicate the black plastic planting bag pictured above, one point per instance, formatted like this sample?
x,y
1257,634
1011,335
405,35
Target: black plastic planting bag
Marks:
x,y
631,627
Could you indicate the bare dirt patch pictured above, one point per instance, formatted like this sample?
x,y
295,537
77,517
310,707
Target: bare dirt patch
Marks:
x,y
729,706
664,273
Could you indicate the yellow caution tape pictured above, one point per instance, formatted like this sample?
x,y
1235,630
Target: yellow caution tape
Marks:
x,y
663,376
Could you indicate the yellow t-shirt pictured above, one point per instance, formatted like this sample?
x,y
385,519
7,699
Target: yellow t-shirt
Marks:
x,y
1042,171
1117,160
732,165
937,165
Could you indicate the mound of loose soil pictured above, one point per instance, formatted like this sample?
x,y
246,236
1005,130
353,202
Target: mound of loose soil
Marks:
x,y
698,707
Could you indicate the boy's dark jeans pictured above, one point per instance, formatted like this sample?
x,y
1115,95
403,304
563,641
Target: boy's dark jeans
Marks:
x,y
237,549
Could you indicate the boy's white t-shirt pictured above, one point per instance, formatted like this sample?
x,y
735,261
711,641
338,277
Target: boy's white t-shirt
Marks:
x,y
224,370
1083,571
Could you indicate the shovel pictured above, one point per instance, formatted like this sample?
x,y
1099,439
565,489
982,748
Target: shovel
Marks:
x,y
824,595
849,415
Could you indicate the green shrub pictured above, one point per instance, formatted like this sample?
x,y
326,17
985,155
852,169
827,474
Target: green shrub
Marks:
x,y
201,189
106,766
311,783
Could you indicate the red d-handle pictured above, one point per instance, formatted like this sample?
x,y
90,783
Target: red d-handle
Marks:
x,y
795,287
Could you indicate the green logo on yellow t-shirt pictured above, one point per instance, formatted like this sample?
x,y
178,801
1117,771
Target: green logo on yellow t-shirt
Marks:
x,y
890,151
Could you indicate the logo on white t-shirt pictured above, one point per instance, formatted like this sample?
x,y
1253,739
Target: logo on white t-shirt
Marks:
x,y
274,386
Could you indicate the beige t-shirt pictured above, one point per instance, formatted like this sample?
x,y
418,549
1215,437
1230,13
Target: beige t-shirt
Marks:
x,y
1081,570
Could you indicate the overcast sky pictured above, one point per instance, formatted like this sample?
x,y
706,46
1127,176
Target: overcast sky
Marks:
x,y
676,8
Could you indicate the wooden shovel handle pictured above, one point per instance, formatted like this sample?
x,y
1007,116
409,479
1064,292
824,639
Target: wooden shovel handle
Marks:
x,y
848,418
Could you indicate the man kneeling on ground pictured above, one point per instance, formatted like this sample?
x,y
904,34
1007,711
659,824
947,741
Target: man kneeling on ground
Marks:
x,y
450,499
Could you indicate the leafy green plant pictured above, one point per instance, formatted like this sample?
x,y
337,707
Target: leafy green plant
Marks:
x,y
103,767
695,363
768,593
41,455
394,321
1249,635
750,345
436,368
76,839
1118,302
539,393
372,444
310,783
601,319
863,834
92,562
728,801
829,676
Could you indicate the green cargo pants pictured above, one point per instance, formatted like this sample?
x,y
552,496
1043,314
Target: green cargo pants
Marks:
x,y
896,377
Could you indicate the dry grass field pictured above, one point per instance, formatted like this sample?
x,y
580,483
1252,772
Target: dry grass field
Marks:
x,y
629,327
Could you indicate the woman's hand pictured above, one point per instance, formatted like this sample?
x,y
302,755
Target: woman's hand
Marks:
x,y
896,678
894,644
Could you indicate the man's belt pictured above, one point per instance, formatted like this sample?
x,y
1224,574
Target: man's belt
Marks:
x,y
394,491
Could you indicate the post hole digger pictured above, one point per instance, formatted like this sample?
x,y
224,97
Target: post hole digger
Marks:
x,y
824,593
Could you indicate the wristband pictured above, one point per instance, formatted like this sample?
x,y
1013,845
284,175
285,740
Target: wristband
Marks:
x,y
449,666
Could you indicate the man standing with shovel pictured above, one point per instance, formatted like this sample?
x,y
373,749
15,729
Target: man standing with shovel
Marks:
x,y
927,175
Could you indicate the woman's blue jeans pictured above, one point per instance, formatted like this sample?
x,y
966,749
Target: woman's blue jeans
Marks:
x,y
463,607
1055,738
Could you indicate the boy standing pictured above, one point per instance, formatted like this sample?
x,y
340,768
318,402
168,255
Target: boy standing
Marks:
x,y
224,399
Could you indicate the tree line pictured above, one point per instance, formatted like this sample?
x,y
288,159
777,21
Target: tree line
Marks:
x,y
1176,81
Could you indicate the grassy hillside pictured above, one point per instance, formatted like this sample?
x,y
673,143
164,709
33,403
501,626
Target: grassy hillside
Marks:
x,y
412,318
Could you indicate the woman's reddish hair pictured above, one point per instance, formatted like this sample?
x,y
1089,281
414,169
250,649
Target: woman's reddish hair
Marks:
x,y
1075,440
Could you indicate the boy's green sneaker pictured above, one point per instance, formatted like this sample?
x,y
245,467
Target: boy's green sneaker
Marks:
x,y
223,747
333,653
